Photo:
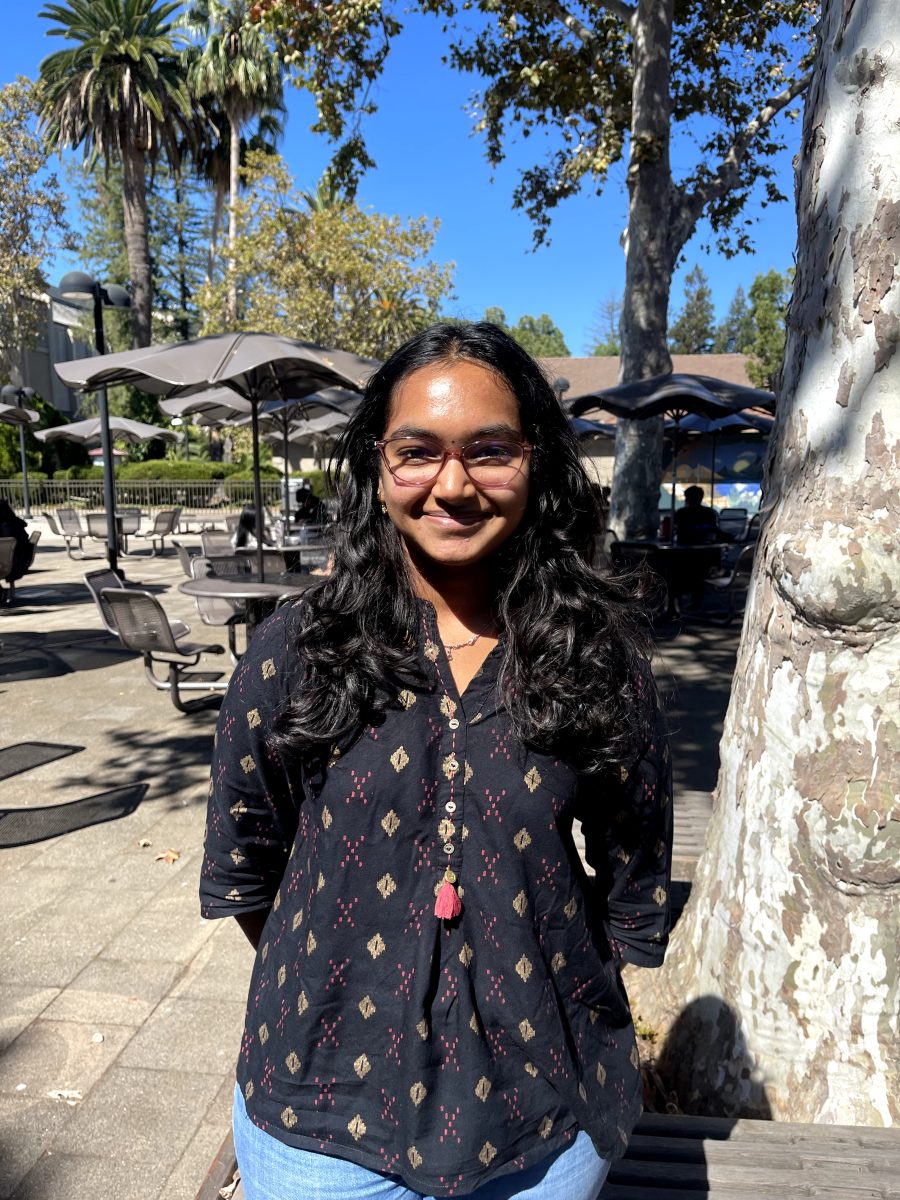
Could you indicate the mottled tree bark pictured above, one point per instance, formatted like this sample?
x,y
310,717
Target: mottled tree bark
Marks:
x,y
782,977
649,260
137,244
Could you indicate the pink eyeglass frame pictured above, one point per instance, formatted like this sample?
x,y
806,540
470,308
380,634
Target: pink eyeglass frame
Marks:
x,y
457,454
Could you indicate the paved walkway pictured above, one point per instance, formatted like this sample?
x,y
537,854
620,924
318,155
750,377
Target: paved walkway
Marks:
x,y
120,1009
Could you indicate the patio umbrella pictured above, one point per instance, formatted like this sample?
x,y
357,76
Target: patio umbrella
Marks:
x,y
121,429
223,406
584,430
12,414
698,424
15,414
675,396
257,366
281,418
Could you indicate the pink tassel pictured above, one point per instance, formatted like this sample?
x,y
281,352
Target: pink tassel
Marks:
x,y
448,904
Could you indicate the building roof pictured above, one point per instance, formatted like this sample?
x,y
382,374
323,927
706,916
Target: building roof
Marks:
x,y
587,375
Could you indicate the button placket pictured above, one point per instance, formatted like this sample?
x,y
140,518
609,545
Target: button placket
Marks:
x,y
452,766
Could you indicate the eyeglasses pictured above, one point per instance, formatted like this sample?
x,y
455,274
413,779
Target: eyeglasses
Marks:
x,y
490,462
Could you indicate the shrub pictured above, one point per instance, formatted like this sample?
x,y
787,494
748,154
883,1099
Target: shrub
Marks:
x,y
165,469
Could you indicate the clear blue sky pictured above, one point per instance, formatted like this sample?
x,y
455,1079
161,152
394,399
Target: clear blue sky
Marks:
x,y
429,163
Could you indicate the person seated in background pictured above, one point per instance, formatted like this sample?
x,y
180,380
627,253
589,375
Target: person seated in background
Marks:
x,y
310,510
695,525
245,534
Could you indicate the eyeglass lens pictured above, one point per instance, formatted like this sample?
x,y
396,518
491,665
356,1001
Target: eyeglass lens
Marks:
x,y
491,462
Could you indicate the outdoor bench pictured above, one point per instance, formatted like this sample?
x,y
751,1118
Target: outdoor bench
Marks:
x,y
716,1158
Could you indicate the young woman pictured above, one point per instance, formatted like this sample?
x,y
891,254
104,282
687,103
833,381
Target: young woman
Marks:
x,y
436,1008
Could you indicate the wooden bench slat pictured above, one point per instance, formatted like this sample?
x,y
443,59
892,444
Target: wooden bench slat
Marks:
x,y
800,1154
729,1129
750,1178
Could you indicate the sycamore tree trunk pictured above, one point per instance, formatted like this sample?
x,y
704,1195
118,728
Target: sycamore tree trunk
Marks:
x,y
234,166
781,984
649,261
137,245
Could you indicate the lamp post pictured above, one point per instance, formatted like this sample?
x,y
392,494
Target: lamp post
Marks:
x,y
179,423
18,395
85,291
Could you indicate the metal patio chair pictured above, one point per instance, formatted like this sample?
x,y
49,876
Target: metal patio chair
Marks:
x,y
105,579
163,527
733,521
185,557
71,529
212,610
142,625
731,586
216,542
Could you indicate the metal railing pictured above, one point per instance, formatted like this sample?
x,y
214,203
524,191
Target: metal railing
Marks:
x,y
207,496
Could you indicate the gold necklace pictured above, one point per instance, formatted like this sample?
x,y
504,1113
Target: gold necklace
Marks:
x,y
448,650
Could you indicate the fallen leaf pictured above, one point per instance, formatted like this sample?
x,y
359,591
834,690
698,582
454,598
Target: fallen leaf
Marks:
x,y
169,856
70,1095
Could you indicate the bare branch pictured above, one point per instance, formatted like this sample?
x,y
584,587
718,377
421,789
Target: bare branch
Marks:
x,y
727,174
625,12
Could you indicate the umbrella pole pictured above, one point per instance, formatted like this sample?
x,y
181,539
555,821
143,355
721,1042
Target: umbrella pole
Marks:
x,y
674,474
26,499
286,523
257,490
712,486
109,479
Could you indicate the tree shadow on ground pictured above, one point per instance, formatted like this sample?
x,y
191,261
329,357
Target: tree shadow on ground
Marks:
x,y
25,826
43,597
689,1069
695,703
172,759
688,1078
25,656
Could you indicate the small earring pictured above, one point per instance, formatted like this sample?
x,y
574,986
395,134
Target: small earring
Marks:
x,y
383,505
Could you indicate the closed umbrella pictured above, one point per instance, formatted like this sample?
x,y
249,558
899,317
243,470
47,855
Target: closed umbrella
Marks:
x,y
257,366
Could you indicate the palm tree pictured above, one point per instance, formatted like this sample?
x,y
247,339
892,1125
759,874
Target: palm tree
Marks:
x,y
120,92
237,70
212,159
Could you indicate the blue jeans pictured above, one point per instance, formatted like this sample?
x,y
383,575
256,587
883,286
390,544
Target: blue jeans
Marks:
x,y
271,1170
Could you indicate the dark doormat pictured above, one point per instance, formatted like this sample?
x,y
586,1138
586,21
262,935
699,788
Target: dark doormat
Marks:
x,y
24,756
23,826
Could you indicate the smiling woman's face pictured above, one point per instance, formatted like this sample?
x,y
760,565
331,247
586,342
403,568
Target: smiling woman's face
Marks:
x,y
451,521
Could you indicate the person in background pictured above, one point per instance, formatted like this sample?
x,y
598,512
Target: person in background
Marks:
x,y
696,525
245,533
436,1007
14,527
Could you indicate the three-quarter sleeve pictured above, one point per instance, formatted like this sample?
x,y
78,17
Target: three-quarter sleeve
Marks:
x,y
627,827
254,800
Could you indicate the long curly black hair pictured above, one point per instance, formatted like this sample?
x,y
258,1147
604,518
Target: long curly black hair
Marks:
x,y
574,675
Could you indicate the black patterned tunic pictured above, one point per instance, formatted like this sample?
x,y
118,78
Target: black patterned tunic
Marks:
x,y
443,1052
